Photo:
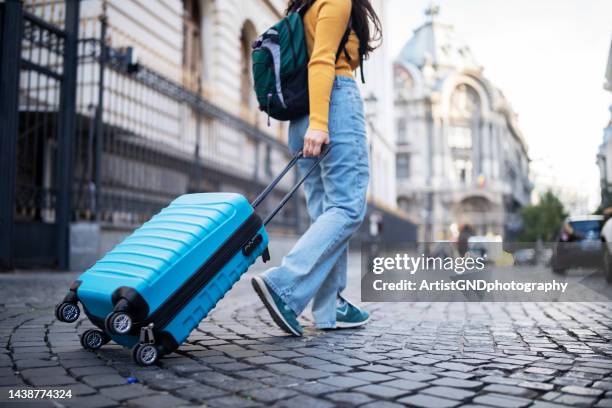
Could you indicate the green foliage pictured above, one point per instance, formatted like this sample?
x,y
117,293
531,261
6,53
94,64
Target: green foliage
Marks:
x,y
542,221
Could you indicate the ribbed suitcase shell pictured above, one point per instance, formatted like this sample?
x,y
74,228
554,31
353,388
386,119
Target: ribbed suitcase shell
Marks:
x,y
164,253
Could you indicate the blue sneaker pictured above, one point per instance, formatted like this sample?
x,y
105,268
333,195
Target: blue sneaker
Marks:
x,y
282,314
348,315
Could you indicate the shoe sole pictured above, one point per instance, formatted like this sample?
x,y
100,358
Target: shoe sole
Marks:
x,y
341,325
266,298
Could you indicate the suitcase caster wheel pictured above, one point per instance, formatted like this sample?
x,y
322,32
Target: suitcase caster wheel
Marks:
x,y
118,323
145,354
67,312
94,339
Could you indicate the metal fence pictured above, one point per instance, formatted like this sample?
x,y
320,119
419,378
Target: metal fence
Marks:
x,y
90,135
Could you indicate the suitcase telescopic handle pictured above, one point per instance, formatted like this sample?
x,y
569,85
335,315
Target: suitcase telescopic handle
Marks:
x,y
324,150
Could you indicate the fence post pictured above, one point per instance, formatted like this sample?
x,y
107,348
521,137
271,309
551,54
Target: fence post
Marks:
x,y
66,133
10,57
99,116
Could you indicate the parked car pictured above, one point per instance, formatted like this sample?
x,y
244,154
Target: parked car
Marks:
x,y
578,243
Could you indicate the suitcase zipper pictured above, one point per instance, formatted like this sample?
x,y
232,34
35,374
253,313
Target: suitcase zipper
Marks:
x,y
183,295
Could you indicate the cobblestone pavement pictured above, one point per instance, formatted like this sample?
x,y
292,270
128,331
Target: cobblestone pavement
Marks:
x,y
421,354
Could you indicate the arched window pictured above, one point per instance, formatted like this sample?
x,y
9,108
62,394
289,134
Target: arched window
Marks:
x,y
192,45
463,125
247,36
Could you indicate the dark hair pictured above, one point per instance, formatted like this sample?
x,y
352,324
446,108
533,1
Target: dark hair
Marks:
x,y
362,14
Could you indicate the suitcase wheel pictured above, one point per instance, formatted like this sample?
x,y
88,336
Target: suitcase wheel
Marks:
x,y
93,339
67,312
145,354
118,323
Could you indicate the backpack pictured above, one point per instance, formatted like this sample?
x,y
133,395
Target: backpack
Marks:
x,y
280,66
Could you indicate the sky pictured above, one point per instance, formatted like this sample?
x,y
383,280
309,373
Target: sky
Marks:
x,y
549,58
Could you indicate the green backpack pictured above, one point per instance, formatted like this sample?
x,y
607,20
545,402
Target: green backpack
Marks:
x,y
280,67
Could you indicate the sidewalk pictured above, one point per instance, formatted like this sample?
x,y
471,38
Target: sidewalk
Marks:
x,y
414,354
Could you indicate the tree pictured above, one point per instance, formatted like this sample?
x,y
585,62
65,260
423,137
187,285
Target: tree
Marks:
x,y
543,220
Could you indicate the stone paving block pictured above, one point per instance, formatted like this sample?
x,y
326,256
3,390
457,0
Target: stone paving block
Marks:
x,y
603,385
10,380
456,374
412,376
33,363
157,401
580,382
575,400
536,385
51,380
43,371
349,398
370,376
304,401
308,374
316,388
263,360
428,401
456,366
449,393
381,391
256,374
104,380
84,362
125,392
379,368
457,383
342,381
269,394
572,389
91,401
82,371
333,368
382,404
604,403
231,367
200,392
510,390
502,401
406,385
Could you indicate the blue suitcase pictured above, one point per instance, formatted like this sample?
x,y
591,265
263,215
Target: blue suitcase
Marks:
x,y
155,287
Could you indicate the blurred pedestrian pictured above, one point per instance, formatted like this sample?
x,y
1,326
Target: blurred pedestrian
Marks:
x,y
465,232
316,268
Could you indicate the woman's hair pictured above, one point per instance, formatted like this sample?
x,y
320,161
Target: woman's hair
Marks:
x,y
362,15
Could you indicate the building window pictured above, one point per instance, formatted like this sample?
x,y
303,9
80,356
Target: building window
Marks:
x,y
192,45
463,170
402,134
402,164
460,137
247,36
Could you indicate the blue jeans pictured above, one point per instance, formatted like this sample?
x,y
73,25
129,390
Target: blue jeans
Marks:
x,y
336,199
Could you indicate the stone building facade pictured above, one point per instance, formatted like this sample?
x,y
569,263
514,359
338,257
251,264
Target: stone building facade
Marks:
x,y
461,157
604,156
172,111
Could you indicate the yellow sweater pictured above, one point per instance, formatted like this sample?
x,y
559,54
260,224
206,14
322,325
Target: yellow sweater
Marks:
x,y
324,25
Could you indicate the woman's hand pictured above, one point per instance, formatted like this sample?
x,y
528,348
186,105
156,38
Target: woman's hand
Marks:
x,y
313,141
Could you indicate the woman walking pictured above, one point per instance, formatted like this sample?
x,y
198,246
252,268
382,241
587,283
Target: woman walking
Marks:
x,y
315,269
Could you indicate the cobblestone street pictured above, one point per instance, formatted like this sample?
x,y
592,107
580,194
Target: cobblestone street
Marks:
x,y
421,354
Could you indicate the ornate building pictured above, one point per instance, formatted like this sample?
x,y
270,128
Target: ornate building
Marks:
x,y
461,157
604,157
